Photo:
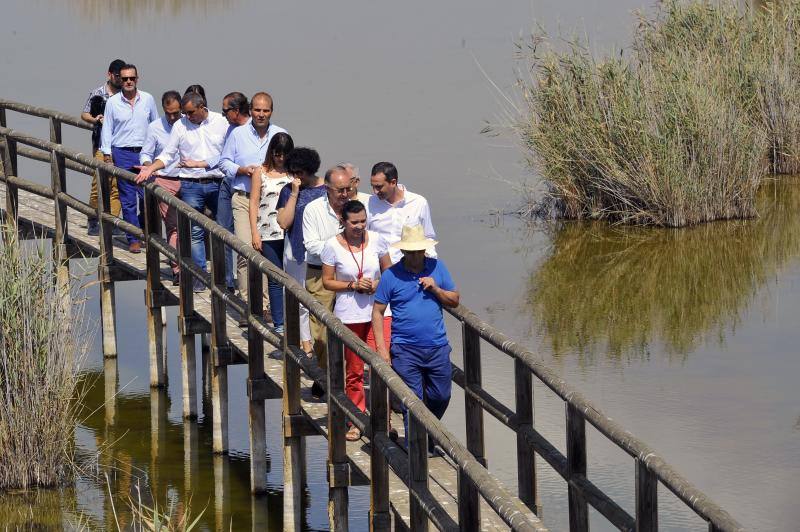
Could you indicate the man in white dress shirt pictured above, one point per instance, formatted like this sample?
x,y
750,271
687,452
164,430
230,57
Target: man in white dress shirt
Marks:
x,y
321,221
393,206
196,143
157,137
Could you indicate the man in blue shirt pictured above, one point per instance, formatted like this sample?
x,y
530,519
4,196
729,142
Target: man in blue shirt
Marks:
x,y
416,288
244,153
128,114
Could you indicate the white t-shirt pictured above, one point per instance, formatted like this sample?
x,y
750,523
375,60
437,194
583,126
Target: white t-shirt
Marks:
x,y
351,306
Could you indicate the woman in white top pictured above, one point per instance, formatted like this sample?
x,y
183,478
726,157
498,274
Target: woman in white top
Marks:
x,y
267,235
352,262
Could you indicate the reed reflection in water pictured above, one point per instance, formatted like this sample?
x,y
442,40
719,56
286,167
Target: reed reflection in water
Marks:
x,y
622,290
132,11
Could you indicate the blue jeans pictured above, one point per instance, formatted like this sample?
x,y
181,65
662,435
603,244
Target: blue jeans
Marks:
x,y
428,372
273,252
200,196
131,195
225,219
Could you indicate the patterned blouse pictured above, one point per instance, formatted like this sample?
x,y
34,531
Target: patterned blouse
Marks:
x,y
267,213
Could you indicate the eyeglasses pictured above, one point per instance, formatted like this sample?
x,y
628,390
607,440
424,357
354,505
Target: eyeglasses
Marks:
x,y
129,78
228,110
343,190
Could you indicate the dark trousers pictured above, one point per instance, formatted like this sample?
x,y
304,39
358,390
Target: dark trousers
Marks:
x,y
225,219
273,252
428,372
200,196
131,195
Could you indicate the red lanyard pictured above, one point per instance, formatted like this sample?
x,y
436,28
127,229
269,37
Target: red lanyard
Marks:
x,y
359,266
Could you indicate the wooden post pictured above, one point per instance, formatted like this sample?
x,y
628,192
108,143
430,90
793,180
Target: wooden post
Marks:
x,y
469,515
576,466
379,516
293,444
12,194
110,383
159,410
105,264
155,325
222,489
185,313
256,383
191,458
338,466
220,350
526,458
60,256
417,439
646,498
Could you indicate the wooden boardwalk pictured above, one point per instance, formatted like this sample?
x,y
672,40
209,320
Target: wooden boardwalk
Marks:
x,y
455,491
36,216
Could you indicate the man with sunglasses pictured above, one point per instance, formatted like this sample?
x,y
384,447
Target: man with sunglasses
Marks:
x,y
236,110
195,142
93,114
128,114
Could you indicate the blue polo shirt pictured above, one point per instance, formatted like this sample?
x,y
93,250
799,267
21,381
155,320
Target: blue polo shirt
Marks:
x,y
416,313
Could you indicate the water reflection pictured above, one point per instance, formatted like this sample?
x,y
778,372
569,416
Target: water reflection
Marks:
x,y
131,11
620,290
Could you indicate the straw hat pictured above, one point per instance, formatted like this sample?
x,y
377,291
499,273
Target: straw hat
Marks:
x,y
413,239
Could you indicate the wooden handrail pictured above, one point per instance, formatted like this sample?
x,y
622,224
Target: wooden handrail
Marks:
x,y
510,509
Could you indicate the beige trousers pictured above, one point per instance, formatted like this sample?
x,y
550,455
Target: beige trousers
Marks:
x,y
240,205
319,333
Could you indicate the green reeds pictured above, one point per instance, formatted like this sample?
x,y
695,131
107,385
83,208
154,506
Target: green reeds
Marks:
x,y
42,342
680,131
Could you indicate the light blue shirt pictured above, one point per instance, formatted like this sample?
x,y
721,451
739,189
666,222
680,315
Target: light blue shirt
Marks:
x,y
244,147
157,136
125,123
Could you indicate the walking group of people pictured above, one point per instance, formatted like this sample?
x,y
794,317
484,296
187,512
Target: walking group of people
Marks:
x,y
369,258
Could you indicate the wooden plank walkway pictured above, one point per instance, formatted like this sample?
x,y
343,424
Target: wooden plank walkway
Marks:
x,y
36,214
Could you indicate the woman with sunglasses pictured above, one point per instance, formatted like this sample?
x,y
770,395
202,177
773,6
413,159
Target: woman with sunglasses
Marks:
x,y
267,235
352,262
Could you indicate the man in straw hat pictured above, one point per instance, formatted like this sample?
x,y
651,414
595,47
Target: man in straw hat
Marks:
x,y
416,288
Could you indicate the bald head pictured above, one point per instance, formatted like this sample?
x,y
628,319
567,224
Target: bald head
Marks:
x,y
261,111
337,179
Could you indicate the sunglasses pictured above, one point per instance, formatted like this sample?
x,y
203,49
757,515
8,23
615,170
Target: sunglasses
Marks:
x,y
129,78
228,110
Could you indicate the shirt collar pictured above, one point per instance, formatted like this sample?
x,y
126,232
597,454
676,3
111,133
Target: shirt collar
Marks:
x,y
135,98
402,202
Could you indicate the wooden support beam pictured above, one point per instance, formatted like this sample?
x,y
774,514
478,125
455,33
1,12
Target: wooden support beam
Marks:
x,y
192,323
469,509
338,467
186,317
417,440
219,344
526,455
257,383
646,498
576,467
298,425
293,444
105,264
156,331
12,193
379,516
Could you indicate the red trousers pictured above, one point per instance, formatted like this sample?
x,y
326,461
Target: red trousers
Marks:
x,y
354,366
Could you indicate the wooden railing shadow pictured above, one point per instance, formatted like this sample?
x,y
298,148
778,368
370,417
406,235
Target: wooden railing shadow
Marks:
x,y
475,482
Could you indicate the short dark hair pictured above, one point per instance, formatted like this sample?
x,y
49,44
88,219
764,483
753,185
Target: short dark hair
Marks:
x,y
352,207
238,101
170,96
129,66
197,89
262,94
387,169
116,65
194,98
304,160
280,143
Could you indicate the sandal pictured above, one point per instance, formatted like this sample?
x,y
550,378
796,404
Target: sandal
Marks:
x,y
353,434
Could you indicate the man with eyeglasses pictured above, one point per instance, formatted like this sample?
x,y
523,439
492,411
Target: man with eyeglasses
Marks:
x,y
236,110
244,153
93,113
128,114
355,181
195,141
321,221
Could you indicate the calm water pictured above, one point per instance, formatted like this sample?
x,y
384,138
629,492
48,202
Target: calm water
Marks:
x,y
688,338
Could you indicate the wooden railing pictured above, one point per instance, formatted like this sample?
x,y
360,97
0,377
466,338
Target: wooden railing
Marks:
x,y
474,480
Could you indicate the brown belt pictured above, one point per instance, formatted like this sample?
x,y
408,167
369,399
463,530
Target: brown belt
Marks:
x,y
314,266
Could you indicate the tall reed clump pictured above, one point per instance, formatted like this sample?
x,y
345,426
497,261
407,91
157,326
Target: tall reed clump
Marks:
x,y
672,134
42,342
